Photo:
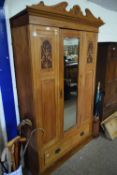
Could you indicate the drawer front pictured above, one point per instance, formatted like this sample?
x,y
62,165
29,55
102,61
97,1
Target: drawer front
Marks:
x,y
54,153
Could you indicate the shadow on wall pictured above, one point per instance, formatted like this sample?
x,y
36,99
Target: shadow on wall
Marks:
x,y
1,141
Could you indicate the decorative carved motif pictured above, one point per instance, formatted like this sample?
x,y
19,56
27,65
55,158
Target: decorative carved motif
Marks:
x,y
58,7
89,14
59,10
90,52
76,10
61,6
46,55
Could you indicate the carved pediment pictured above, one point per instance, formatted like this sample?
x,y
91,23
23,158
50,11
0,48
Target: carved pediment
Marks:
x,y
90,15
59,11
61,7
76,10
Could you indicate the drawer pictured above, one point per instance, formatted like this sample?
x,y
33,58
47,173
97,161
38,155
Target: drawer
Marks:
x,y
60,149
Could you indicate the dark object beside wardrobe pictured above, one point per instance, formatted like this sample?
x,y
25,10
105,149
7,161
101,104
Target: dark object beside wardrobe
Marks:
x,y
107,75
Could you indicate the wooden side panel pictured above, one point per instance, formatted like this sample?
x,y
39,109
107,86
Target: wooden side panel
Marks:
x,y
111,94
48,110
22,69
23,72
111,71
107,75
110,98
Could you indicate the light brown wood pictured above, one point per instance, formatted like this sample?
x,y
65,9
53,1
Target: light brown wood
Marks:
x,y
69,34
24,86
39,65
63,147
49,110
14,147
59,12
62,160
24,80
89,77
46,88
61,24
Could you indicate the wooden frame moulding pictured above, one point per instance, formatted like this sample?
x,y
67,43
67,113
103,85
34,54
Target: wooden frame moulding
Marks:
x,y
57,13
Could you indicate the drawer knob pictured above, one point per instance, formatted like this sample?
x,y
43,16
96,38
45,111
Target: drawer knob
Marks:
x,y
57,150
82,133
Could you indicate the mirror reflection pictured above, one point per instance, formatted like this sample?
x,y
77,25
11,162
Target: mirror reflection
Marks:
x,y
71,47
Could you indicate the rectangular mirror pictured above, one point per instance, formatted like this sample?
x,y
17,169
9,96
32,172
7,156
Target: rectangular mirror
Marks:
x,y
71,55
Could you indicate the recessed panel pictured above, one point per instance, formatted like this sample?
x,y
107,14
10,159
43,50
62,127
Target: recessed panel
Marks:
x,y
48,110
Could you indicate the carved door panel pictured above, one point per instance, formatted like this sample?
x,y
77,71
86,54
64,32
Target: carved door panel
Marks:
x,y
45,61
78,66
70,66
89,70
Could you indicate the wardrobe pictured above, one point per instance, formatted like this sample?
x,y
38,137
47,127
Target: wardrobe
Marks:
x,y
107,75
55,64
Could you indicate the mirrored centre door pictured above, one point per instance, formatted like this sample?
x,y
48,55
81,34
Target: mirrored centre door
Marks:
x,y
69,80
